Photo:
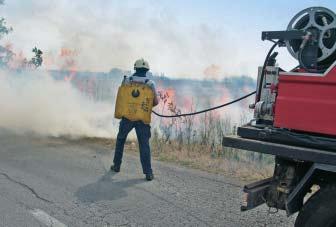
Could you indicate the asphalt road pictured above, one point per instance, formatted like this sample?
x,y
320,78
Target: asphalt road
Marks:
x,y
57,182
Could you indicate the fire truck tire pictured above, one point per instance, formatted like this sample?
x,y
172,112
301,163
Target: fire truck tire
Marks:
x,y
319,210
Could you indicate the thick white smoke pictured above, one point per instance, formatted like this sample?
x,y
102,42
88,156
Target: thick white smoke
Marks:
x,y
108,34
33,102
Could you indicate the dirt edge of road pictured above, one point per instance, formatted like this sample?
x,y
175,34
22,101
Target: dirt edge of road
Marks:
x,y
241,171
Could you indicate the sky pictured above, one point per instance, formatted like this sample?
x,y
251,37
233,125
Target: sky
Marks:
x,y
190,39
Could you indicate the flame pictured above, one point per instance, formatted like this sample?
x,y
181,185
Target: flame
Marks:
x,y
175,101
68,57
66,52
171,93
166,96
69,63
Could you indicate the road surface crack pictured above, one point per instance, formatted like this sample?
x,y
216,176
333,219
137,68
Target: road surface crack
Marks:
x,y
26,187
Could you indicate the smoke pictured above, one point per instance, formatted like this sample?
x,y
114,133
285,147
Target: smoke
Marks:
x,y
108,34
33,102
97,36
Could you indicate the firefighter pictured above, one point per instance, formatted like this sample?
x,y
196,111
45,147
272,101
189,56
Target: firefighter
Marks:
x,y
142,130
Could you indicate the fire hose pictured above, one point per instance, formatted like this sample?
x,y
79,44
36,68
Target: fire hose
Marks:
x,y
206,110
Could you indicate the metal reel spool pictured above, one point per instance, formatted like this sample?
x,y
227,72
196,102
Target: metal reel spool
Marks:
x,y
319,18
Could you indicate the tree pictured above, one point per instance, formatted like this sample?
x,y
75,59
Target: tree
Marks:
x,y
6,55
37,60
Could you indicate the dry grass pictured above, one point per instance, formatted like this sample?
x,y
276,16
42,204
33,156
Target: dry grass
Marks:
x,y
211,160
198,157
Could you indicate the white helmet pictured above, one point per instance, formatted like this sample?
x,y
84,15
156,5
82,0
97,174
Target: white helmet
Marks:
x,y
141,63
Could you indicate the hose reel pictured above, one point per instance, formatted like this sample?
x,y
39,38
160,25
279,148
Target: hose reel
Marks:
x,y
322,21
310,38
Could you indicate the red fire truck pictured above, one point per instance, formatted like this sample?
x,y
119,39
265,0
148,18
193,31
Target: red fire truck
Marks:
x,y
295,120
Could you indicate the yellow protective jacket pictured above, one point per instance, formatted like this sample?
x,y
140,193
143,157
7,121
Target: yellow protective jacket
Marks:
x,y
134,102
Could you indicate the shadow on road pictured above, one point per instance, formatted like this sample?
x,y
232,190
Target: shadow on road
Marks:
x,y
105,189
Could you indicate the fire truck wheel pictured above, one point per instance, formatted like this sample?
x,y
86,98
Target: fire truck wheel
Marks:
x,y
319,210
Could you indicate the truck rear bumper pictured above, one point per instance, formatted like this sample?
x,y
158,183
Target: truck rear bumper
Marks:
x,y
289,137
285,151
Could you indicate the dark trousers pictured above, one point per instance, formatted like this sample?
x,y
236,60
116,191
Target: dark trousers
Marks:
x,y
143,134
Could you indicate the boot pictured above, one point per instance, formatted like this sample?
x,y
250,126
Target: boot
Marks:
x,y
115,168
149,177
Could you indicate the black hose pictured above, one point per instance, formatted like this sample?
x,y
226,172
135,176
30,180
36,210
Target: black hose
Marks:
x,y
206,110
263,70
